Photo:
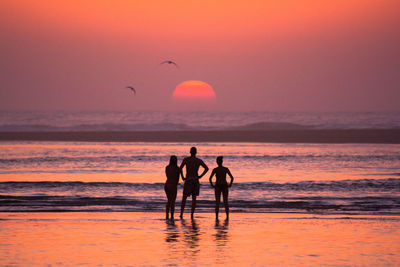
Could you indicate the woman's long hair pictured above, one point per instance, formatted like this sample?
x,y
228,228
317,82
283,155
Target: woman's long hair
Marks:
x,y
173,161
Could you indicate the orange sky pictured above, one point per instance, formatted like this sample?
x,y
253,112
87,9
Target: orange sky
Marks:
x,y
286,55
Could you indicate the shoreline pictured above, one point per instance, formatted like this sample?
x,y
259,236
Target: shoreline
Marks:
x,y
340,136
202,214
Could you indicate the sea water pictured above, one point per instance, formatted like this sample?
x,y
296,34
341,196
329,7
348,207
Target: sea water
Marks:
x,y
90,176
122,176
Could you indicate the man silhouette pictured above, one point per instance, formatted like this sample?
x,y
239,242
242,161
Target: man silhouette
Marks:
x,y
192,185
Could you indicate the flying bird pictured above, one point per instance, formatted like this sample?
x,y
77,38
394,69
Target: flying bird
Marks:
x,y
170,62
133,89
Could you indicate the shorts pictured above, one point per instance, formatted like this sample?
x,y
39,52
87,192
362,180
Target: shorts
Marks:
x,y
191,187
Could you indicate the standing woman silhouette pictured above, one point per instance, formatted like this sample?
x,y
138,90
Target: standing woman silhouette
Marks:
x,y
172,171
221,186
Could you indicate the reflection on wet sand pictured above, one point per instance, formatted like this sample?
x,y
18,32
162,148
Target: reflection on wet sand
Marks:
x,y
183,241
144,239
222,234
191,236
221,239
172,241
172,232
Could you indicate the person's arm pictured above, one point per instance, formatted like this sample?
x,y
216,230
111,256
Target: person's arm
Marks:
x,y
181,168
230,175
205,168
181,173
211,176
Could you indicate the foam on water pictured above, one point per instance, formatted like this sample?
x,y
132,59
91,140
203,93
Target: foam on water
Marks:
x,y
204,120
342,197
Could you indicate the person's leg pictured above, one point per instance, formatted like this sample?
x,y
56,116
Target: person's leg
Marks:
x,y
168,204
217,201
195,193
183,205
193,204
226,204
172,207
167,210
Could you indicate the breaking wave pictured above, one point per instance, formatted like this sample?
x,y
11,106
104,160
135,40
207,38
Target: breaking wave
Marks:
x,y
364,196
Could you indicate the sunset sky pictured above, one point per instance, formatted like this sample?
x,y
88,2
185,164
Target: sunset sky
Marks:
x,y
333,55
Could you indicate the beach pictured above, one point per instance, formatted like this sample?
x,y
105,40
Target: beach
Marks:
x,y
146,239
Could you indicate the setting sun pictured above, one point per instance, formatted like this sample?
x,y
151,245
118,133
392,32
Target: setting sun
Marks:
x,y
194,90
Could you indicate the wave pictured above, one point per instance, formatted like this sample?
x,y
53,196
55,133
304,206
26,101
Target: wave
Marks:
x,y
341,185
5,186
262,126
377,196
148,127
163,158
94,127
164,120
331,205
388,184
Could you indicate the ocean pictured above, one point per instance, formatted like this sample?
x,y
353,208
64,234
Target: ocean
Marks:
x,y
332,178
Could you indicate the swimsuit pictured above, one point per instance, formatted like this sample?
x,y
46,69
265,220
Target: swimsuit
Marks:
x,y
221,187
170,188
191,187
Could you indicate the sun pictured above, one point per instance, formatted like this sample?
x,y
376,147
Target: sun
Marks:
x,y
194,95
194,91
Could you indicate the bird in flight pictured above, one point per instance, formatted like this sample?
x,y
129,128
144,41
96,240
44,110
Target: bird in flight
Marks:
x,y
169,62
133,89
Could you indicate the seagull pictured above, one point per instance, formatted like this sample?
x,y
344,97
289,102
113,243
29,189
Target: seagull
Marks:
x,y
133,89
169,62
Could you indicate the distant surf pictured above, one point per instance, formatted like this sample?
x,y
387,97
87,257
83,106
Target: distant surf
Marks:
x,y
105,127
79,121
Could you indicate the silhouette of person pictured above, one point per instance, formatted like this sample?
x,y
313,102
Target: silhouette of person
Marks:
x,y
221,186
172,172
192,185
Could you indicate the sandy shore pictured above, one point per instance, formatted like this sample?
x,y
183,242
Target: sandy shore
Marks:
x,y
146,239
378,136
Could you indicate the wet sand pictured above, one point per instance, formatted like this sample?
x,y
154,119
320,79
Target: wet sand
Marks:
x,y
378,136
145,239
